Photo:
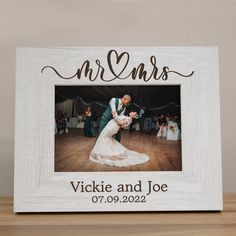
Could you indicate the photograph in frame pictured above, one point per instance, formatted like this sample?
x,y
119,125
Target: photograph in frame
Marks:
x,y
153,135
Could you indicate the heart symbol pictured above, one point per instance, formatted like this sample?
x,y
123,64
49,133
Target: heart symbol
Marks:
x,y
122,59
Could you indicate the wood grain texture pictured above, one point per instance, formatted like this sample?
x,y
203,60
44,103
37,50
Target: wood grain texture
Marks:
x,y
38,188
156,223
72,152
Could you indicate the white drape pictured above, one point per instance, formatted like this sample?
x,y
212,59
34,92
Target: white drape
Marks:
x,y
65,106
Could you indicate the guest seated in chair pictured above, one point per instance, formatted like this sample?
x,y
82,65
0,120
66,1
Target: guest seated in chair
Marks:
x,y
173,132
168,117
162,122
177,120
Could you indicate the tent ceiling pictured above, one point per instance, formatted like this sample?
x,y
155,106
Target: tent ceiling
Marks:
x,y
142,95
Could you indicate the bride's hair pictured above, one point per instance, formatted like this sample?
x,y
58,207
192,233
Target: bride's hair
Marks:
x,y
133,114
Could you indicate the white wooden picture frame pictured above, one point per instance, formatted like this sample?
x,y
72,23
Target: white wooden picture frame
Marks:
x,y
198,186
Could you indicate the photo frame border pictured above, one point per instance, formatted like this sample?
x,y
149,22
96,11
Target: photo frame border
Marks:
x,y
37,188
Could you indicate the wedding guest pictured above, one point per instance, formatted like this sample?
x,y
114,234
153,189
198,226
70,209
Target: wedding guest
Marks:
x,y
148,121
168,117
61,122
155,122
66,116
177,120
162,122
133,124
89,130
141,118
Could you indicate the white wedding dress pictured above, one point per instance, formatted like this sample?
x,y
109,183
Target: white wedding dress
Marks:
x,y
107,150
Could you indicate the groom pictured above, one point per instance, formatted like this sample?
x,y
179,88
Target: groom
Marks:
x,y
116,107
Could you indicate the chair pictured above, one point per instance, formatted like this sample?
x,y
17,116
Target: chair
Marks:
x,y
80,122
162,133
173,132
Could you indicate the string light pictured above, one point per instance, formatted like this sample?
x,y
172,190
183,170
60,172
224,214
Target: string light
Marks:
x,y
154,108
87,104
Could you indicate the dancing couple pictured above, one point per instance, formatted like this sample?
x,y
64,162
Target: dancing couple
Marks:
x,y
108,149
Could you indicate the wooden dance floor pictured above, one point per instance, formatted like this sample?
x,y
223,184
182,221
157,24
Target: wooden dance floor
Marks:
x,y
72,150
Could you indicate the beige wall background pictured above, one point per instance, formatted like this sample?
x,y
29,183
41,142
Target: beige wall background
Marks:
x,y
50,23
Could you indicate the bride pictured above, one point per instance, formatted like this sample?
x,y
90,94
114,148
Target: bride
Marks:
x,y
107,150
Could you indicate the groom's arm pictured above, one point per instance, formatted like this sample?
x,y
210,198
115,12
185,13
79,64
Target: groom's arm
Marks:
x,y
112,104
122,113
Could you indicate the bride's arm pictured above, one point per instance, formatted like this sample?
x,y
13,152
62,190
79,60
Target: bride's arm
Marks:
x,y
126,121
117,119
120,120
